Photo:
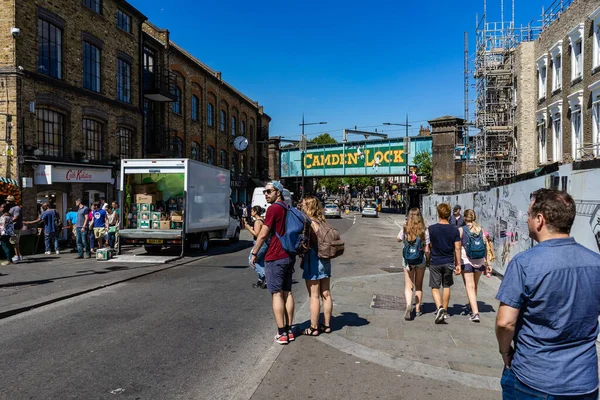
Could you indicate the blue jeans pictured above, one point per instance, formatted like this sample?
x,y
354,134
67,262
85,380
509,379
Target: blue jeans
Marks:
x,y
513,389
112,238
82,242
49,236
6,246
259,265
92,238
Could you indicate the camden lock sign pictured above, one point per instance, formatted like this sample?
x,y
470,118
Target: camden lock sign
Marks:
x,y
46,174
378,158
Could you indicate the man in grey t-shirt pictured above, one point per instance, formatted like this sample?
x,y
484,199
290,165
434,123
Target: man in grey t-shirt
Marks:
x,y
83,214
17,216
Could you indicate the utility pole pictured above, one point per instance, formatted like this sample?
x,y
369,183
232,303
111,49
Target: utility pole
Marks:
x,y
406,153
303,147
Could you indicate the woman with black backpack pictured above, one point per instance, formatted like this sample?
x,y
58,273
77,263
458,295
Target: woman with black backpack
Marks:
x,y
474,257
414,259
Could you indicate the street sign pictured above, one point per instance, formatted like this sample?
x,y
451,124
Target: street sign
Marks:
x,y
377,189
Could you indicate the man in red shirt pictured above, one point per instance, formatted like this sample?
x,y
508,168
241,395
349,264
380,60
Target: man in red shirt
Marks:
x,y
279,266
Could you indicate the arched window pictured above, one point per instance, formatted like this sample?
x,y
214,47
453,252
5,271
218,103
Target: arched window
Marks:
x,y
176,147
243,128
195,153
223,159
223,121
210,155
195,108
242,164
234,163
233,125
176,105
210,115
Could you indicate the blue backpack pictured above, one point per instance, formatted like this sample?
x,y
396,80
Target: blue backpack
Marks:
x,y
476,247
295,240
413,252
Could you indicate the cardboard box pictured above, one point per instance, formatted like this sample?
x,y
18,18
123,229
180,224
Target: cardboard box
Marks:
x,y
144,224
165,224
176,225
103,254
147,188
143,216
156,216
145,199
155,224
177,216
145,207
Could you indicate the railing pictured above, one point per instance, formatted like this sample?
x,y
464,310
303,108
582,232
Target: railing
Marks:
x,y
159,84
553,12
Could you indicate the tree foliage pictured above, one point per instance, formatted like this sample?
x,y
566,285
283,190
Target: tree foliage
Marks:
x,y
423,162
323,138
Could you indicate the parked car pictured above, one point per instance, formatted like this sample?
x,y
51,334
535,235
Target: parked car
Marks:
x,y
332,210
370,210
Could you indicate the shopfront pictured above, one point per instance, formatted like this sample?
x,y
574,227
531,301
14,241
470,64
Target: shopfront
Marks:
x,y
238,190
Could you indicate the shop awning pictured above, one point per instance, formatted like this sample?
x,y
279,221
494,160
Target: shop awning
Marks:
x,y
8,180
256,182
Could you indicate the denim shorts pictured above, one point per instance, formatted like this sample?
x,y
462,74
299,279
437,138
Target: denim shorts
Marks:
x,y
513,389
279,274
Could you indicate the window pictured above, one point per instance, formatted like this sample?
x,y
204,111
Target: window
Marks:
x,y
195,153
595,17
542,81
223,159
575,102
149,58
125,142
49,49
234,163
576,41
210,155
123,81
210,115
243,128
541,131
50,133
556,53
176,105
233,126
176,147
251,133
91,67
123,21
94,5
222,121
92,136
596,127
242,164
194,108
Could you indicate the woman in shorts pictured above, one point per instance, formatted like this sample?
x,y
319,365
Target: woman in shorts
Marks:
x,y
259,265
413,274
472,268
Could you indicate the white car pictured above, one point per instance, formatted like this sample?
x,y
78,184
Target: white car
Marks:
x,y
370,210
332,210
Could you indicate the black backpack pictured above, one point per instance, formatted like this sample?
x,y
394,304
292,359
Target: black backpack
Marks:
x,y
58,225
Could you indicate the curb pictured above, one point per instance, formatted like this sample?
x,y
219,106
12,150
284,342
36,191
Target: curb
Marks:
x,y
20,310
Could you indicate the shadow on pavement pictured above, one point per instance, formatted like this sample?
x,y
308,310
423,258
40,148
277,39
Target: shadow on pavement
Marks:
x,y
340,321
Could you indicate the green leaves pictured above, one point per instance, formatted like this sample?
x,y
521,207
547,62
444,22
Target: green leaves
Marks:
x,y
423,162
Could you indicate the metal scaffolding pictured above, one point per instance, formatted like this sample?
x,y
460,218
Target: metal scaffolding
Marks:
x,y
494,148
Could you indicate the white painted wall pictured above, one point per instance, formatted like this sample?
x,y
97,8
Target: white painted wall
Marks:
x,y
502,211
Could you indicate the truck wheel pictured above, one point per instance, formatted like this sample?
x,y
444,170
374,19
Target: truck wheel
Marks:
x,y
204,240
153,249
236,236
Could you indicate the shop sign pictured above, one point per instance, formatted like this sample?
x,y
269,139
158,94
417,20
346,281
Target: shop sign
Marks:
x,y
46,174
238,183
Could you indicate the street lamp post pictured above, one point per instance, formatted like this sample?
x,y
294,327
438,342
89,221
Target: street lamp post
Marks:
x,y
406,153
303,146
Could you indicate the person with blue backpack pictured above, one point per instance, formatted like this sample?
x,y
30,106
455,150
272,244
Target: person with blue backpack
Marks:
x,y
287,230
414,259
474,257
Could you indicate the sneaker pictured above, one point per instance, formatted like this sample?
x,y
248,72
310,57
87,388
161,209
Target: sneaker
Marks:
x,y
291,335
258,284
57,252
440,316
407,313
466,310
16,259
418,313
5,263
474,318
281,339
47,253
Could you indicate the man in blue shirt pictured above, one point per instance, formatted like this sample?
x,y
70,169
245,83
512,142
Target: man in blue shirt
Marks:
x,y
549,306
50,230
100,224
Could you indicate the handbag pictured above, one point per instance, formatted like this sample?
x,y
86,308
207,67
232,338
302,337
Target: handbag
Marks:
x,y
112,229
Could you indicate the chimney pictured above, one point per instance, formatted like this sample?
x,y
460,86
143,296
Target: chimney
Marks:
x,y
219,76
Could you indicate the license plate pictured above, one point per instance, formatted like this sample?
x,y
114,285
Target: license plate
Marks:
x,y
154,241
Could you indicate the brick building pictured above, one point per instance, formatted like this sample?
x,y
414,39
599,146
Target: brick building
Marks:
x,y
85,83
566,95
204,117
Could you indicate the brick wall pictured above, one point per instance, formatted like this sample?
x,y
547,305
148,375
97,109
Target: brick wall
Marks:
x,y
525,75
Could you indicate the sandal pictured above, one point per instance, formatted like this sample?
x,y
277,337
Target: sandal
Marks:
x,y
324,328
310,331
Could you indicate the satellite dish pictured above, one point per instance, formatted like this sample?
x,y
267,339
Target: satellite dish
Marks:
x,y
240,143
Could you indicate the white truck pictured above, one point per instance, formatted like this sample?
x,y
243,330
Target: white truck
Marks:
x,y
195,194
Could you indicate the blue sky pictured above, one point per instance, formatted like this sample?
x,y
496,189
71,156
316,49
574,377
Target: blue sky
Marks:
x,y
350,63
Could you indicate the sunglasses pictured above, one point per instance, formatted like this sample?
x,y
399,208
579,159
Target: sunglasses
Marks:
x,y
268,191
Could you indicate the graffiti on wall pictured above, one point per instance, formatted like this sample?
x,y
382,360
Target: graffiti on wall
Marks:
x,y
502,211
